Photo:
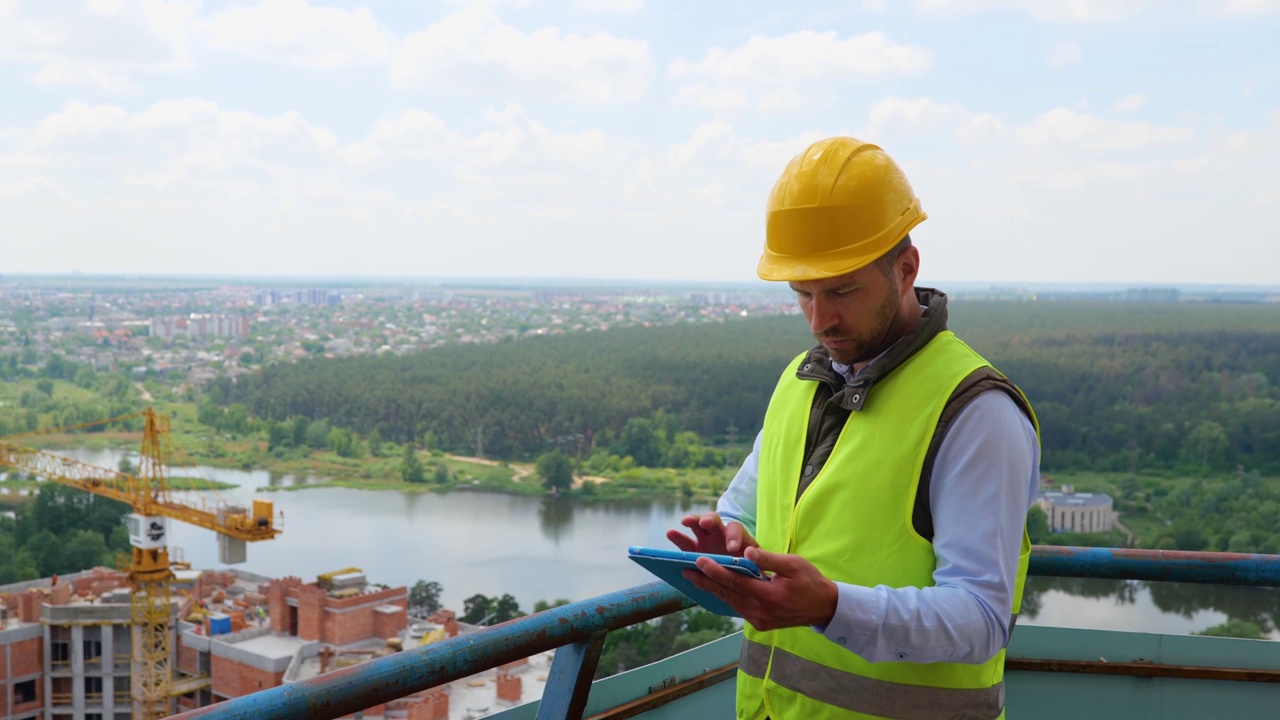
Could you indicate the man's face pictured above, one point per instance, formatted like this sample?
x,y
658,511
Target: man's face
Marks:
x,y
855,316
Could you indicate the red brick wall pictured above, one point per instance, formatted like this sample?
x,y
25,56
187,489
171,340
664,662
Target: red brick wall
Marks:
x,y
311,616
433,706
29,604
27,657
5,688
188,660
388,625
509,688
234,679
349,627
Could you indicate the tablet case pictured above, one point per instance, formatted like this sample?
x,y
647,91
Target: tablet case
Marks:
x,y
670,569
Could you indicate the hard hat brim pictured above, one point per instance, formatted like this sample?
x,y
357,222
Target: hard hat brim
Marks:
x,y
794,234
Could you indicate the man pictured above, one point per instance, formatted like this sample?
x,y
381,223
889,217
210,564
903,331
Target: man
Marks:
x,y
887,492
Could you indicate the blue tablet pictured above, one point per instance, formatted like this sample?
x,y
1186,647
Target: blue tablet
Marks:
x,y
671,564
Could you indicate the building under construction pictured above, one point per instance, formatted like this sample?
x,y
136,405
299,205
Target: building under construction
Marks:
x,y
65,644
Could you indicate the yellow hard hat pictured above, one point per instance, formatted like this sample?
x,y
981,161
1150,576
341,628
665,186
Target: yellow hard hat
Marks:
x,y
838,206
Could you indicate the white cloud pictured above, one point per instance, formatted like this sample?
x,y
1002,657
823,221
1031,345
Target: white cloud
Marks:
x,y
301,34
1055,11
472,50
103,48
411,135
21,160
75,73
26,186
1064,54
1238,8
979,129
105,7
771,74
806,55
908,115
624,7
1129,103
718,98
1063,127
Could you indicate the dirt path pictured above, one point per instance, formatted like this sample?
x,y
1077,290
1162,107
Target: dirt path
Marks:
x,y
146,396
523,470
519,471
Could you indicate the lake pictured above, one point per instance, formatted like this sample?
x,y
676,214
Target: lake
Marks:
x,y
544,549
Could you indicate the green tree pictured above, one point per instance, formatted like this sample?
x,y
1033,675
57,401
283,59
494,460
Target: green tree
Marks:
x,y
475,608
411,470
318,434
1235,628
1037,525
209,413
300,425
505,608
556,471
441,474
278,435
541,605
641,441
46,549
1207,445
425,596
85,549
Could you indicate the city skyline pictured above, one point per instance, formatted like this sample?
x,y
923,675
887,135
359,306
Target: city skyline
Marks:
x,y
1074,143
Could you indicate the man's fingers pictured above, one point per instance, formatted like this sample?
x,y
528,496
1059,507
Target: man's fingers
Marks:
x,y
682,541
773,562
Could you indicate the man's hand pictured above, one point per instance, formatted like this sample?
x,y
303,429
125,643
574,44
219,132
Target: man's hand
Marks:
x,y
712,535
796,594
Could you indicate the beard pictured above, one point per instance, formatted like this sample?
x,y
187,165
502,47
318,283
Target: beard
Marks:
x,y
860,345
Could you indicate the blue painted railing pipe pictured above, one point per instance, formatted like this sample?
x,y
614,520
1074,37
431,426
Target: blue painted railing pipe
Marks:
x,y
342,692
1156,565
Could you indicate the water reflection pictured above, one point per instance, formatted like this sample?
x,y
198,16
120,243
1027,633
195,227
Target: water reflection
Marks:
x,y
554,515
539,548
1147,606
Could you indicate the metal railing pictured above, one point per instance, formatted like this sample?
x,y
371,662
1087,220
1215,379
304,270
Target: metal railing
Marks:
x,y
578,631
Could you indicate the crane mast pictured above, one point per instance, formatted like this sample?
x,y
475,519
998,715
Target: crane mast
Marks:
x,y
150,575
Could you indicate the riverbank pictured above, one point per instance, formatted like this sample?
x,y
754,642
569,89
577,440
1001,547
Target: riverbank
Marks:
x,y
306,468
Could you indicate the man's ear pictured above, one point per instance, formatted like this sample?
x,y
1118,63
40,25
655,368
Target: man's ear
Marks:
x,y
907,267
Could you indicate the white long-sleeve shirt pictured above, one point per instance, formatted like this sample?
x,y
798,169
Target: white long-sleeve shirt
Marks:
x,y
985,477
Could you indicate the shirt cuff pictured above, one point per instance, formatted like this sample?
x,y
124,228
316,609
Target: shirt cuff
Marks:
x,y
859,612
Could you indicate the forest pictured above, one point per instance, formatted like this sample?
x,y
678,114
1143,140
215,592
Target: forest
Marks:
x,y
63,530
1122,387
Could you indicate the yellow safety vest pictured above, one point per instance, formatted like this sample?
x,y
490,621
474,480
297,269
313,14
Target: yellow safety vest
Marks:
x,y
853,523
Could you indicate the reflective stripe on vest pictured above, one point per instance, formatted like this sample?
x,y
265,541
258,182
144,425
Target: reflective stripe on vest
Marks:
x,y
869,696
853,522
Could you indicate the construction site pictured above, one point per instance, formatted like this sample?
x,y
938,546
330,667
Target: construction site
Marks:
x,y
158,637
66,644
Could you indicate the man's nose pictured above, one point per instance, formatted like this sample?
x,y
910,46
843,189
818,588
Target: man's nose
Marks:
x,y
822,315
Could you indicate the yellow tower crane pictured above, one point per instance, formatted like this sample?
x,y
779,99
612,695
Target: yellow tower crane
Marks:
x,y
150,575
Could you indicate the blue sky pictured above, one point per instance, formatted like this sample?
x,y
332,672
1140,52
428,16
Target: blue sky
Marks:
x,y
1131,141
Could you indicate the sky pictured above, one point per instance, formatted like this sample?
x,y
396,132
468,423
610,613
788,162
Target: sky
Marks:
x,y
1130,141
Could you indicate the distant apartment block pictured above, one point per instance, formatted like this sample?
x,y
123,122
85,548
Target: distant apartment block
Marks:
x,y
200,325
1070,511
